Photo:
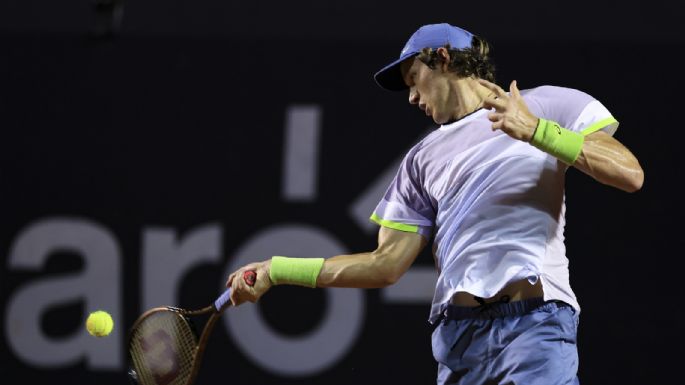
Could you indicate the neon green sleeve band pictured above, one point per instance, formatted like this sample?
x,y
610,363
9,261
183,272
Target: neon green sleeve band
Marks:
x,y
394,225
295,271
555,140
599,125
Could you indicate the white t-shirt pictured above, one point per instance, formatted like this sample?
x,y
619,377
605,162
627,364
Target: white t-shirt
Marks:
x,y
494,205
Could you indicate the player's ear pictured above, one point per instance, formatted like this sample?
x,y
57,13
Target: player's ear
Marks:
x,y
444,55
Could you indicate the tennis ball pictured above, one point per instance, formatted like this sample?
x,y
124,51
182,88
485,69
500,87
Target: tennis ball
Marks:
x,y
99,323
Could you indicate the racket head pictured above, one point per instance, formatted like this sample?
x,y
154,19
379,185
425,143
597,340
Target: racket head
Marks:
x,y
162,346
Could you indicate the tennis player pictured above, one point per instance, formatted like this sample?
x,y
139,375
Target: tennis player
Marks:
x,y
487,187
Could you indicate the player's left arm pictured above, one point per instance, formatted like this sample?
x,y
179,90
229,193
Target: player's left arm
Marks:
x,y
610,162
601,156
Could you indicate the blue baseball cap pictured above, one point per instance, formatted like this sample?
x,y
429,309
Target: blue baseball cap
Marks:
x,y
428,36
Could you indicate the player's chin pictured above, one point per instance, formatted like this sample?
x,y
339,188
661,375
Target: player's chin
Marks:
x,y
438,119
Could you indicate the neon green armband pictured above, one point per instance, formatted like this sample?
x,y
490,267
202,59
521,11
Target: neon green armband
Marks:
x,y
295,271
555,140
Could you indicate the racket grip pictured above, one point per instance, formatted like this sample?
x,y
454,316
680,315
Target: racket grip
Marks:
x,y
249,277
222,300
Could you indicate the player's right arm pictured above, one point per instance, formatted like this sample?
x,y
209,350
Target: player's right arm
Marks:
x,y
384,266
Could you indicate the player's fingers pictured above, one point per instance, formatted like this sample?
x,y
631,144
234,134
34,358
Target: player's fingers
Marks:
x,y
245,290
239,282
514,90
254,273
493,87
237,292
229,281
249,276
252,297
494,116
234,297
497,104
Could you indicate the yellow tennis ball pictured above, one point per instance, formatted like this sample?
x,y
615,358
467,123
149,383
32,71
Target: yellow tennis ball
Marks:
x,y
99,323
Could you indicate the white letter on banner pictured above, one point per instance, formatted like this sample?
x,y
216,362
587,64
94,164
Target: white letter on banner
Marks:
x,y
97,285
323,346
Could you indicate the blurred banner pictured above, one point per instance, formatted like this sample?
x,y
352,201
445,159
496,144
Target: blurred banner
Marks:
x,y
638,21
140,172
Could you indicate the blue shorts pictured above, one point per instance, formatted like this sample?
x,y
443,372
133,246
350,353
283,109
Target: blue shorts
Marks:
x,y
529,342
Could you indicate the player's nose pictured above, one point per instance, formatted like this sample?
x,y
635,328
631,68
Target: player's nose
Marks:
x,y
413,96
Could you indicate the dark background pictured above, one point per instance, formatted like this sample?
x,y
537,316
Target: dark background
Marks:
x,y
175,117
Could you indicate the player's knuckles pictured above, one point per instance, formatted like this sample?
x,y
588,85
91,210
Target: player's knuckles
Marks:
x,y
239,298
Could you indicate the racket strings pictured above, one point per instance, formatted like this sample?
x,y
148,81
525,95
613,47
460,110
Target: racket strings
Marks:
x,y
162,349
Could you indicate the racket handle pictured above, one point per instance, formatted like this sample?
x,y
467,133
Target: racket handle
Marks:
x,y
249,277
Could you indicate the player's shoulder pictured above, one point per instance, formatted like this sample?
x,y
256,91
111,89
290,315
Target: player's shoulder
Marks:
x,y
427,138
423,145
548,99
550,91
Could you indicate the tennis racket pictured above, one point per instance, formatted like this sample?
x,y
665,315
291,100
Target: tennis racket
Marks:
x,y
163,346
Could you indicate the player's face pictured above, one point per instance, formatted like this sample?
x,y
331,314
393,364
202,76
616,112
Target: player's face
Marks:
x,y
440,93
431,90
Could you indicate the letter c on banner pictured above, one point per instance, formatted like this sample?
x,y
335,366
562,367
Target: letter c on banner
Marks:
x,y
322,347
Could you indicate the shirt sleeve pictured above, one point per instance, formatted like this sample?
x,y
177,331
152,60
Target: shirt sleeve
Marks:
x,y
406,206
574,110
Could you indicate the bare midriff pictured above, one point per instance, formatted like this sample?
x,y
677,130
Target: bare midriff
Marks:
x,y
516,291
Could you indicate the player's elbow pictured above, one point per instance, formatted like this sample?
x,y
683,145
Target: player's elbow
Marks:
x,y
391,278
634,181
638,180
387,272
627,179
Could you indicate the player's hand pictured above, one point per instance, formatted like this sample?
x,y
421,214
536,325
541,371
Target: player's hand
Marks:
x,y
511,113
241,291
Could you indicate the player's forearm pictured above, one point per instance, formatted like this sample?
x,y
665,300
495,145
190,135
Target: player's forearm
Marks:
x,y
363,270
598,154
396,251
609,162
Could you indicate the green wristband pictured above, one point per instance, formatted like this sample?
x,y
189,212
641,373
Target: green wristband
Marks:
x,y
555,140
295,271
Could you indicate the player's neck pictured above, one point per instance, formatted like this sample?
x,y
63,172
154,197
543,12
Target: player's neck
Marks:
x,y
470,96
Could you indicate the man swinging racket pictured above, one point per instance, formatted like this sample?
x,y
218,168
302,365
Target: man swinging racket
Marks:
x,y
487,187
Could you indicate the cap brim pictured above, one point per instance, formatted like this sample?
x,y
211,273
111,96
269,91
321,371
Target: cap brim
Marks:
x,y
390,76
